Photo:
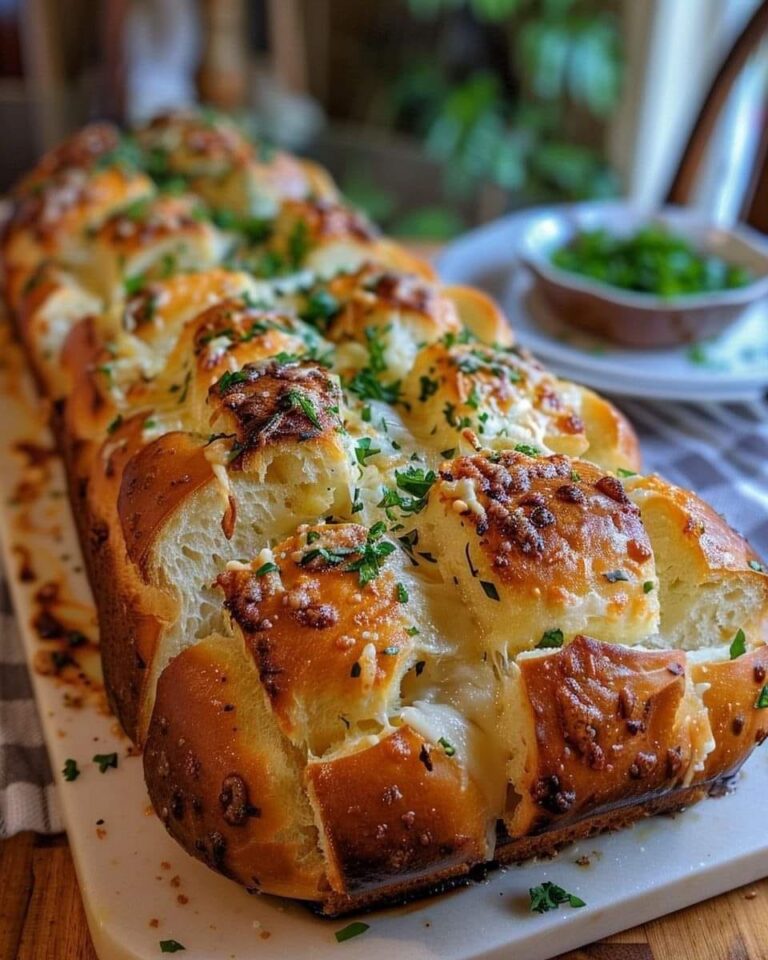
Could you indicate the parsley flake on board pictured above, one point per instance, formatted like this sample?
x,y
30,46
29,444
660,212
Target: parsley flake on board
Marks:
x,y
70,771
551,639
171,946
738,645
105,761
548,896
351,930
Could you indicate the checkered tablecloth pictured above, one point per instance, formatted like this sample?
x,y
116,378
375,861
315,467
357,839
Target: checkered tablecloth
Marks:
x,y
720,451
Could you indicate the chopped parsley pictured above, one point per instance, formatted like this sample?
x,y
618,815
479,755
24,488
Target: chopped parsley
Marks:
x,y
762,701
266,568
449,413
528,449
373,554
415,480
321,308
351,930
490,589
551,639
115,424
229,379
401,593
364,449
447,746
738,645
300,401
132,285
298,243
374,337
105,761
366,385
171,946
448,454
621,472
71,771
185,387
548,896
428,387
648,586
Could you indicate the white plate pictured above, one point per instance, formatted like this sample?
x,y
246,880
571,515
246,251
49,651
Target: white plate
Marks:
x,y
734,366
131,873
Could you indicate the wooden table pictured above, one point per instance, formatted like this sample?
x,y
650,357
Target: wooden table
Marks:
x,y
42,918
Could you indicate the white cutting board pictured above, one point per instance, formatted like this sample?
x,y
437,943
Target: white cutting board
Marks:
x,y
132,875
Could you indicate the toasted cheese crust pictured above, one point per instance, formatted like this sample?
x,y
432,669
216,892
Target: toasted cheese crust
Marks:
x,y
381,599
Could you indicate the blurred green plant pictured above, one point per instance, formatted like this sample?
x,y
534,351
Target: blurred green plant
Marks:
x,y
517,126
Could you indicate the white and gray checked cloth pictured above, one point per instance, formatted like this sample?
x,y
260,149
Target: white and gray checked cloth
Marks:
x,y
718,450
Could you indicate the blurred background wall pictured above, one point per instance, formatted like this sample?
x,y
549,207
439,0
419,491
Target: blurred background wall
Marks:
x,y
432,114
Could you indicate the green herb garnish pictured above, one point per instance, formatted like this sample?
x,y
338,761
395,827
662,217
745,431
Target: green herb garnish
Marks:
x,y
105,761
652,260
738,645
490,590
351,930
528,449
364,449
551,639
71,771
548,896
300,401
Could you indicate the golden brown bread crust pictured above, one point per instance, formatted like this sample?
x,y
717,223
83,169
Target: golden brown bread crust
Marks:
x,y
297,621
732,693
218,779
558,541
334,739
155,480
606,725
399,811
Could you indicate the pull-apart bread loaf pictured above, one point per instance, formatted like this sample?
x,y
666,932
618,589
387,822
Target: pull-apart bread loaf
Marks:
x,y
380,598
